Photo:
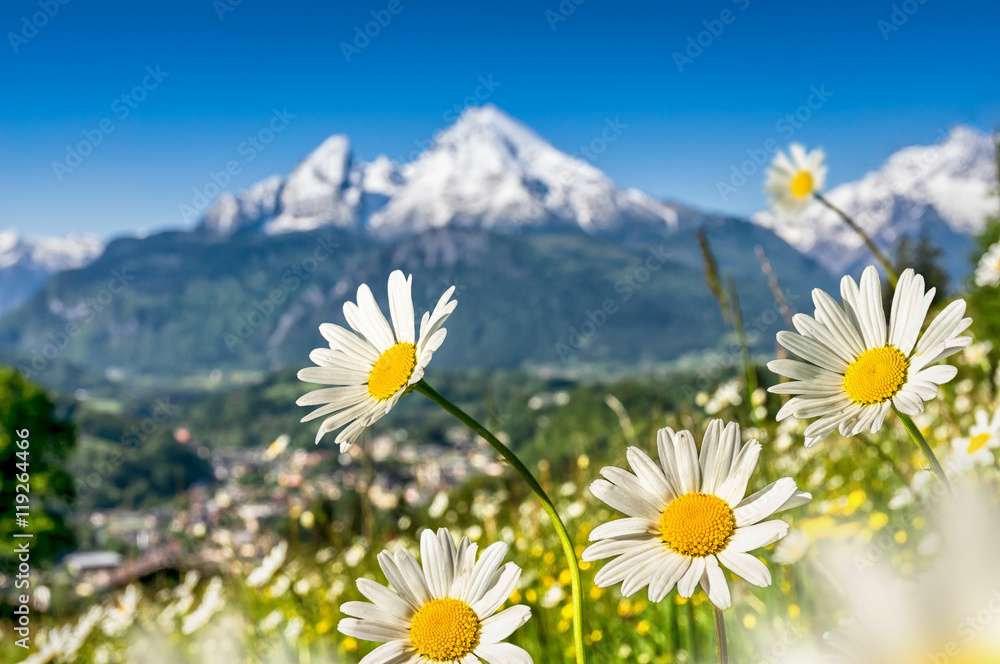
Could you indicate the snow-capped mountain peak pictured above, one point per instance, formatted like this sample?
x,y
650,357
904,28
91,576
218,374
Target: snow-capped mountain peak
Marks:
x,y
487,170
319,191
944,190
26,263
490,170
51,254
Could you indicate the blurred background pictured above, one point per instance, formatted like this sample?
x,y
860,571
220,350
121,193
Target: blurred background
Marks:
x,y
191,190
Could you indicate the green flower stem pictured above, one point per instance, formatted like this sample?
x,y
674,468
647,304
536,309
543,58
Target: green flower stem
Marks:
x,y
536,488
921,442
721,646
864,236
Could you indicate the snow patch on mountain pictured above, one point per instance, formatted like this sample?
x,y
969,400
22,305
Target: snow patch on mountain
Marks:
x,y
945,190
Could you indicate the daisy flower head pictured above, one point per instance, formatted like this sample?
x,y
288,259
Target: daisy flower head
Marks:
x,y
445,611
988,270
977,448
687,515
375,364
791,182
855,367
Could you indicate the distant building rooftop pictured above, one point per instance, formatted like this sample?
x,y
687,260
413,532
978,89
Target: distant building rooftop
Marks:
x,y
92,560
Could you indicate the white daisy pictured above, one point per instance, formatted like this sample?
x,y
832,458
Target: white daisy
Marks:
x,y
374,365
977,449
688,514
988,270
791,183
120,617
445,612
856,369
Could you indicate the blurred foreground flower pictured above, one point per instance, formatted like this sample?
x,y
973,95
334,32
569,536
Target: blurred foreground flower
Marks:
x,y
791,183
949,615
445,612
687,515
376,364
855,369
988,270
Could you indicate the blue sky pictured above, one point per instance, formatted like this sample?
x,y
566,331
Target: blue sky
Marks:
x,y
221,68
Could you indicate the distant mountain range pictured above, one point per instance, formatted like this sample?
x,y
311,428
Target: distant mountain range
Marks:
x,y
944,190
555,264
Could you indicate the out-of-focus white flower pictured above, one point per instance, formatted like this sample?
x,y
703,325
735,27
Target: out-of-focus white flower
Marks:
x,y
275,449
293,629
211,603
280,586
977,448
553,596
988,270
438,505
355,555
950,614
120,617
792,548
271,563
728,394
791,183
977,352
271,621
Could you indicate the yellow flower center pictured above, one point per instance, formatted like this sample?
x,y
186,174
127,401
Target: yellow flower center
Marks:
x,y
976,442
445,630
801,184
697,525
392,370
876,375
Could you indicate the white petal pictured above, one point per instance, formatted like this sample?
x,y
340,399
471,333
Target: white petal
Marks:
x,y
687,462
368,630
650,474
386,599
503,653
399,581
669,573
941,328
765,502
393,652
348,342
812,350
756,536
482,574
502,586
735,486
498,627
401,306
715,584
692,577
746,566
623,501
626,527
